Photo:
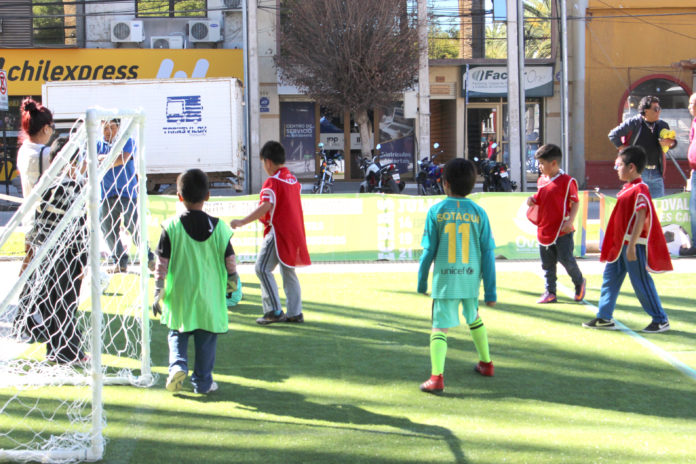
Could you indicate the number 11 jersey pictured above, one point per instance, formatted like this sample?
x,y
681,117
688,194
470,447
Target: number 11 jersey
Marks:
x,y
458,238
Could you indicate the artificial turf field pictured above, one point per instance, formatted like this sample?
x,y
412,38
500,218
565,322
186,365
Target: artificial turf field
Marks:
x,y
343,387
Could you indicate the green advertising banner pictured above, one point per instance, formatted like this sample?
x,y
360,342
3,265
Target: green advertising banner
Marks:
x,y
369,227
673,213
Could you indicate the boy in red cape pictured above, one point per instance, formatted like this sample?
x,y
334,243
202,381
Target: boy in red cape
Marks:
x,y
284,243
553,209
633,244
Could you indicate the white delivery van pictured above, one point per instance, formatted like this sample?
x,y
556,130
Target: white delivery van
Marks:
x,y
189,123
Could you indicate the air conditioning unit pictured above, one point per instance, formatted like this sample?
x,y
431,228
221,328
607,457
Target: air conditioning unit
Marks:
x,y
167,41
127,31
204,31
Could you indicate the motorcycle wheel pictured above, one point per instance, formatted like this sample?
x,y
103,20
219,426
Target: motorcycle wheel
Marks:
x,y
328,188
486,186
421,190
315,189
361,189
392,187
505,185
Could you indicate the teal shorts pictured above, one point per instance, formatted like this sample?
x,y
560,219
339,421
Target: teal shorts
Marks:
x,y
446,311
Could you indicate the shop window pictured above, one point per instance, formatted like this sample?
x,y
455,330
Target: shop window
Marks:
x,y
54,23
171,8
674,99
532,135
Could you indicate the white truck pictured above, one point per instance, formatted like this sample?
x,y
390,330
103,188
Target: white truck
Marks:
x,y
189,123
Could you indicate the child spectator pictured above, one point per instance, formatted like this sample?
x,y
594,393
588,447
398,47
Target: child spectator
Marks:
x,y
458,238
195,268
50,298
553,209
280,211
633,244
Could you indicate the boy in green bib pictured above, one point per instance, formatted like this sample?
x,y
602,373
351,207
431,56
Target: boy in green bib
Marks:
x,y
195,269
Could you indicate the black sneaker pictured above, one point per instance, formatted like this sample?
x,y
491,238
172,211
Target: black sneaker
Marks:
x,y
270,318
599,323
657,327
296,319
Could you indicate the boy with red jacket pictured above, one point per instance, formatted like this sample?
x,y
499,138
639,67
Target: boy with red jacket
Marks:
x,y
284,243
553,209
633,244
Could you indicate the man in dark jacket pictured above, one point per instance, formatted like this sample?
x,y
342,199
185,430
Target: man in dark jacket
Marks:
x,y
644,130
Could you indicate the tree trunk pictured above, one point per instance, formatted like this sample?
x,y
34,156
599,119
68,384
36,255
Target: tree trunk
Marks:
x,y
363,120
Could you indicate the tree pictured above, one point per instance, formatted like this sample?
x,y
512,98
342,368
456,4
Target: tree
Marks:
x,y
537,32
349,55
443,44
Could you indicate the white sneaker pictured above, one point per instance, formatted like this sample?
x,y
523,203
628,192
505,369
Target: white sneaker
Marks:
x,y
213,387
175,380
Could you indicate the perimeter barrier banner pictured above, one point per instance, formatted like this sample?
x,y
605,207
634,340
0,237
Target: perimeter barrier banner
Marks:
x,y
372,227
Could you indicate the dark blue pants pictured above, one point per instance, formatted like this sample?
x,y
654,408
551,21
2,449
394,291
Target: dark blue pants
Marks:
x,y
205,343
560,252
614,275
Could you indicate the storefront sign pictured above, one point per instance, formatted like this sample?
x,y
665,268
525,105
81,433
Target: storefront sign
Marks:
x,y
492,81
27,70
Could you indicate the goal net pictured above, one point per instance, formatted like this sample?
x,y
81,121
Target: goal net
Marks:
x,y
76,316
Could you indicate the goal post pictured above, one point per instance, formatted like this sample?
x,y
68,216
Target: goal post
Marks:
x,y
77,317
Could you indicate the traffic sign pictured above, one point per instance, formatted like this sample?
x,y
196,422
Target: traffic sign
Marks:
x,y
4,105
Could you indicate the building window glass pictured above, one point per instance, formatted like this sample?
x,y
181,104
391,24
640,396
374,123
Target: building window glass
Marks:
x,y
674,100
171,8
54,23
532,134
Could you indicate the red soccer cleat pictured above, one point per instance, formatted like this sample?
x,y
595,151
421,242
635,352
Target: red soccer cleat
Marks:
x,y
485,369
435,384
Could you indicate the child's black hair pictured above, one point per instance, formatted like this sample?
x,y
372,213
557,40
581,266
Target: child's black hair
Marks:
x,y
460,174
274,152
193,186
58,145
549,152
634,154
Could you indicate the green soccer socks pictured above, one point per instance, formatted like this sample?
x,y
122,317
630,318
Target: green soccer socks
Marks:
x,y
480,337
438,352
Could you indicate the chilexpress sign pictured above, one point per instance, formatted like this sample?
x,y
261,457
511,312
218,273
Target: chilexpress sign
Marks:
x,y
492,81
28,69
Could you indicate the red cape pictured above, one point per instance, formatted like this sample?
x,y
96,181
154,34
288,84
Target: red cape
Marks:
x,y
286,218
550,209
621,217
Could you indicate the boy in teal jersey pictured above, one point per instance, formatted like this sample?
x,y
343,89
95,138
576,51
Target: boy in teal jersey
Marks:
x,y
195,268
458,238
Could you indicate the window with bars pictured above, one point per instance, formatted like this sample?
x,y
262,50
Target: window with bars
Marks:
x,y
171,8
54,23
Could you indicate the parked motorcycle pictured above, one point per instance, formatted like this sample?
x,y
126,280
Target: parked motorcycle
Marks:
x,y
496,177
379,178
429,177
327,166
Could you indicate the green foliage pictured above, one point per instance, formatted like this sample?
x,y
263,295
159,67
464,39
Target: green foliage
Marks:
x,y
537,32
443,44
171,8
49,25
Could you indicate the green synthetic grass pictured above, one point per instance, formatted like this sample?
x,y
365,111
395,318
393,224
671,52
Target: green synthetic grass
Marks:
x,y
343,387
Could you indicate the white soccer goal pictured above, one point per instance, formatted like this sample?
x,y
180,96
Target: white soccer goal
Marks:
x,y
67,325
